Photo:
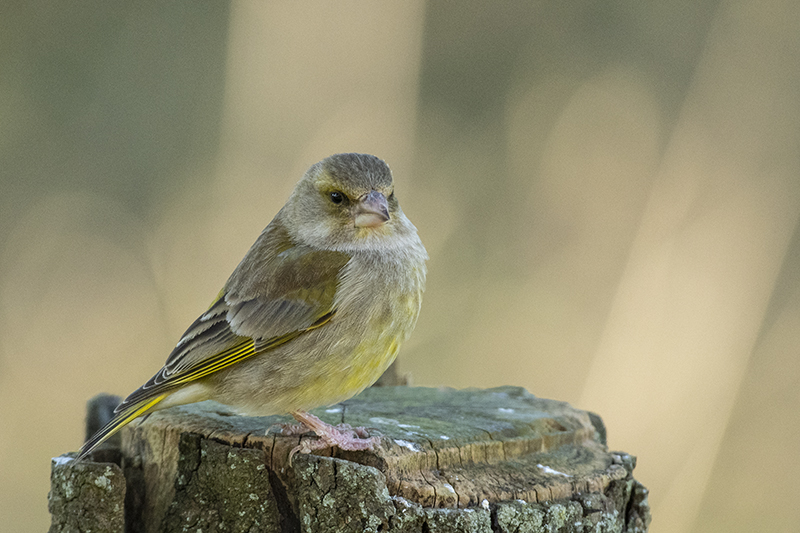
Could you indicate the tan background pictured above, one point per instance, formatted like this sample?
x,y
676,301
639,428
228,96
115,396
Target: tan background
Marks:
x,y
609,192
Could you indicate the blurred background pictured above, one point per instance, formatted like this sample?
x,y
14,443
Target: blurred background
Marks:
x,y
609,191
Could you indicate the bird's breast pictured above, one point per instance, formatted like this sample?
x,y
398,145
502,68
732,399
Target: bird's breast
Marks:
x,y
377,311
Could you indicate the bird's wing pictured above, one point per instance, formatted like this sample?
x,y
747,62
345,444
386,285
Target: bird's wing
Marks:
x,y
265,303
278,292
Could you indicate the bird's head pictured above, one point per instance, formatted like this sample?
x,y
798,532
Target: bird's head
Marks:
x,y
346,202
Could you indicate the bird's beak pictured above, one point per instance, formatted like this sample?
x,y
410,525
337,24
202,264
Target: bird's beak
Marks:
x,y
371,210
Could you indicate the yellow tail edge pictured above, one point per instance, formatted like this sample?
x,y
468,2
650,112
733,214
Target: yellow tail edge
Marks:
x,y
115,424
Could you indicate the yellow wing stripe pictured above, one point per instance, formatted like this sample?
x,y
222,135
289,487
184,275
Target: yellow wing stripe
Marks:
x,y
141,410
238,353
224,359
219,296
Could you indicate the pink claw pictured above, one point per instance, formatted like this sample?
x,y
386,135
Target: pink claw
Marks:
x,y
342,436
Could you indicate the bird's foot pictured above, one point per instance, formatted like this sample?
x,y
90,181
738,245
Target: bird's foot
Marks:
x,y
342,436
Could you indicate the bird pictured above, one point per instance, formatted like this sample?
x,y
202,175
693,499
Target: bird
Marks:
x,y
313,314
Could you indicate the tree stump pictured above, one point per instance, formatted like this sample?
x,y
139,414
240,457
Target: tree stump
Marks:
x,y
496,460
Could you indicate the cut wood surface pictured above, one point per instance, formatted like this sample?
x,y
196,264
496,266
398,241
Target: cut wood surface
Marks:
x,y
485,459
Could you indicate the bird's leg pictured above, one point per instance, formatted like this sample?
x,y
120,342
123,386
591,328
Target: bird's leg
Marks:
x,y
342,436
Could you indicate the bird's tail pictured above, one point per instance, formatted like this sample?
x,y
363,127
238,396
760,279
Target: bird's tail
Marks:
x,y
126,414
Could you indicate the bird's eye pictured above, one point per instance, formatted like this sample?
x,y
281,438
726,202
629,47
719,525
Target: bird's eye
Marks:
x,y
336,197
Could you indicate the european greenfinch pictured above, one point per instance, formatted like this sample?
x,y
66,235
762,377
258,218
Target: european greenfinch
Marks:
x,y
313,314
